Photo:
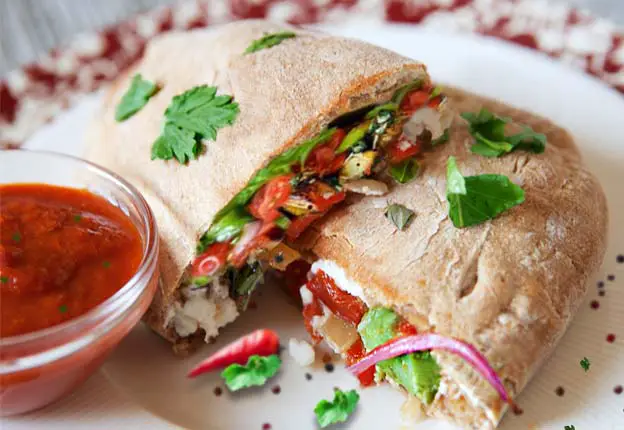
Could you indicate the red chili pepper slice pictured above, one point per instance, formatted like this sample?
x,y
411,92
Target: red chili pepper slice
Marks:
x,y
260,342
210,260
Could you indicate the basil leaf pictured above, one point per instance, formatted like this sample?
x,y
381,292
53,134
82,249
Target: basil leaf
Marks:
x,y
338,410
404,171
399,215
476,199
135,97
269,41
256,372
227,227
400,94
488,130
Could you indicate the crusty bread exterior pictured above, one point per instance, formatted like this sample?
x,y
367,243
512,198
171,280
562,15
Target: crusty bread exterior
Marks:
x,y
509,286
286,94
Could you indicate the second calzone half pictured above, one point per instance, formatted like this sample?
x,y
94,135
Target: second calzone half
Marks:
x,y
457,286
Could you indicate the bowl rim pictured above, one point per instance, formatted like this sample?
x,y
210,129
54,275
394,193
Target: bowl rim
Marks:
x,y
116,301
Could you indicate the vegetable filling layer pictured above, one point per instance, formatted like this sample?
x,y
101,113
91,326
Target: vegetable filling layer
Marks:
x,y
302,184
353,330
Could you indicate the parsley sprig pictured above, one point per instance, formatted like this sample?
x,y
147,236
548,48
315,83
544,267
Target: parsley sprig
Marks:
x,y
193,115
476,199
338,410
585,364
488,129
256,372
133,100
269,41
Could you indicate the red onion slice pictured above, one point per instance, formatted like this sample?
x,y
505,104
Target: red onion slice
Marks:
x,y
424,342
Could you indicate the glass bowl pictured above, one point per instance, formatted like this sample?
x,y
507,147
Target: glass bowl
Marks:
x,y
40,367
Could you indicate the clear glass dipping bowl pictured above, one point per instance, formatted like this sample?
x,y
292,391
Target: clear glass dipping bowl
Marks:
x,y
41,367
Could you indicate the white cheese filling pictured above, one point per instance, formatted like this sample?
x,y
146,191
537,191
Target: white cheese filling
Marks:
x,y
434,120
340,277
208,308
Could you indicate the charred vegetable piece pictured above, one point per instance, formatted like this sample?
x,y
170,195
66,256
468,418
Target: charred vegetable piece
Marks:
x,y
358,165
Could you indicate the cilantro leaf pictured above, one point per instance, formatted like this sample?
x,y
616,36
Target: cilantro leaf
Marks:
x,y
488,129
62,309
399,215
4,279
569,428
256,372
338,410
192,116
135,97
585,364
404,171
268,41
476,199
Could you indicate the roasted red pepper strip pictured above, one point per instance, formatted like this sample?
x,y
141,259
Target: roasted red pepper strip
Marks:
x,y
260,342
341,303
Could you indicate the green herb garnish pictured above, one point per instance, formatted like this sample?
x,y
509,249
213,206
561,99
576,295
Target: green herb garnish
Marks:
x,y
569,428
269,41
404,171
135,98
256,372
488,129
16,237
585,364
399,215
338,410
476,199
77,218
4,279
192,116
62,309
106,264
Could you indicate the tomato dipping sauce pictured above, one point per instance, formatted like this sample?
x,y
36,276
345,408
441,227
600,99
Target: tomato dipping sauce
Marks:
x,y
63,251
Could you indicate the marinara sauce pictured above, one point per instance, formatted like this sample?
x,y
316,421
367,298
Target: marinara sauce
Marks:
x,y
63,251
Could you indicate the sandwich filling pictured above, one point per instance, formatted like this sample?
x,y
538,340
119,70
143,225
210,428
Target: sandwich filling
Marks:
x,y
335,310
296,188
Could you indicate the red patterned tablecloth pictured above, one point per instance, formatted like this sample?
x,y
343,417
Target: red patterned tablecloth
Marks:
x,y
33,95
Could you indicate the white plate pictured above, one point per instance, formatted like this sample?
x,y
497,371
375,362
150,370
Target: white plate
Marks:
x,y
147,375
